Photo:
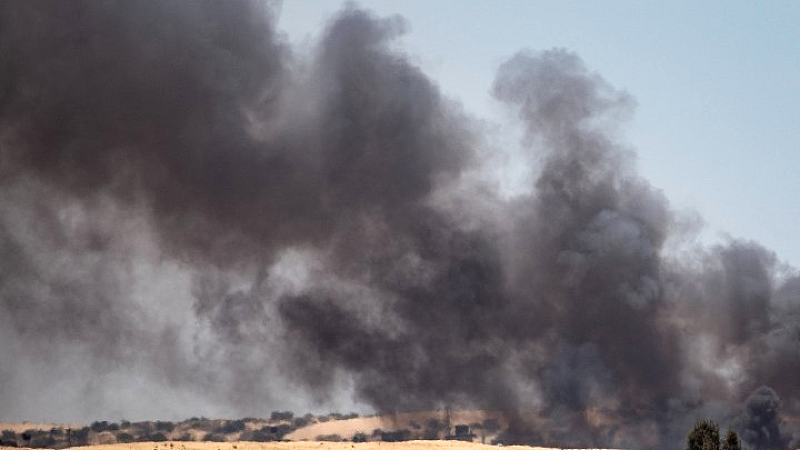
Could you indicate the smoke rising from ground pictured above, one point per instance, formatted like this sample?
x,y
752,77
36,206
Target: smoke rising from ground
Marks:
x,y
193,210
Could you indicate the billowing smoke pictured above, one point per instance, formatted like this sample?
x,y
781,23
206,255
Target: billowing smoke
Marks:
x,y
760,422
196,214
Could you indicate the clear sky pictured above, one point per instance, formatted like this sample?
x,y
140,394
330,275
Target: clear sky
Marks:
x,y
717,125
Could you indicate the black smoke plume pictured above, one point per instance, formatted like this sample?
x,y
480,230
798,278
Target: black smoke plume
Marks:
x,y
195,213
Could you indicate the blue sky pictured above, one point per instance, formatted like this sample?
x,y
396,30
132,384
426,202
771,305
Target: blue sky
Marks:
x,y
717,86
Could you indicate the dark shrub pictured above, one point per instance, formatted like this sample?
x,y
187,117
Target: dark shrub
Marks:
x,y
359,437
462,430
99,426
281,415
214,437
8,438
125,438
329,438
300,422
164,426
396,436
79,437
41,439
261,436
231,426
157,437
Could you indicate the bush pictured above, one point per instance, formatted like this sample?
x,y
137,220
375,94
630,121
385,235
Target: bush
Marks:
x,y
231,426
396,436
214,437
125,438
165,426
359,437
300,422
260,436
8,438
79,437
157,437
43,440
329,438
99,426
281,415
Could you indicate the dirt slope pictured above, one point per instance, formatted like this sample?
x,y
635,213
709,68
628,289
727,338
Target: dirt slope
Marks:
x,y
20,427
348,427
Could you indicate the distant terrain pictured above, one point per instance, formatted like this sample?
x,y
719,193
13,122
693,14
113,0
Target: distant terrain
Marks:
x,y
304,445
464,426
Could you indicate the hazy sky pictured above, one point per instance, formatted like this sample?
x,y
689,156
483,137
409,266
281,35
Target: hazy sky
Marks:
x,y
717,125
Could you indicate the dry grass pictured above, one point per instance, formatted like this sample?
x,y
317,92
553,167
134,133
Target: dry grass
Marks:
x,y
301,445
20,427
348,427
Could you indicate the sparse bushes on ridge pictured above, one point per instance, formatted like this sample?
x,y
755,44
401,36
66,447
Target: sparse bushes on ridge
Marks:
x,y
281,415
8,438
300,422
125,438
231,426
99,426
164,426
214,437
157,437
186,437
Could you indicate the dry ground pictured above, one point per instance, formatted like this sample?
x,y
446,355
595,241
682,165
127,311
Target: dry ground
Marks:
x,y
348,427
21,427
301,445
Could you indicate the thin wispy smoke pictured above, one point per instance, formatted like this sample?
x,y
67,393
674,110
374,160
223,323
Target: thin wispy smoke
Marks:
x,y
195,213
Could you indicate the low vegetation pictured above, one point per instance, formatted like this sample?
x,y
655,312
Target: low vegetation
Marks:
x,y
279,424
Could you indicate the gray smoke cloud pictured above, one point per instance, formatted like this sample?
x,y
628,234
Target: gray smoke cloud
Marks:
x,y
194,213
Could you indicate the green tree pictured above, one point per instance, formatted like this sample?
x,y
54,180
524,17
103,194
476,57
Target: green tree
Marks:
x,y
731,441
704,436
